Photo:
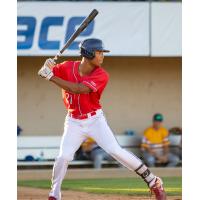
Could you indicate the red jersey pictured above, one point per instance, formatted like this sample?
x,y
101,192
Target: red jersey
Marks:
x,y
80,104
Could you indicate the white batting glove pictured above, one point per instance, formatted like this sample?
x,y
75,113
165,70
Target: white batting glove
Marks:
x,y
50,63
45,72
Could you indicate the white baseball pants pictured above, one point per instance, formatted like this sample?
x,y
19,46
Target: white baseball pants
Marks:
x,y
75,132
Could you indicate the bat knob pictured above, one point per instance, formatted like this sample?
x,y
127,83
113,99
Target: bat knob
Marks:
x,y
55,58
57,55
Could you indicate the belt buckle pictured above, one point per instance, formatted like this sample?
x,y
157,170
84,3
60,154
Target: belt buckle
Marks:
x,y
88,115
84,116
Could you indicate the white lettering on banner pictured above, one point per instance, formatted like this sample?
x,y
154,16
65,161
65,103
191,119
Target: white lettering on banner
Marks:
x,y
48,25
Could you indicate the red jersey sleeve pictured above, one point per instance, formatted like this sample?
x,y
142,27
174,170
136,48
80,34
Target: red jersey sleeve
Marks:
x,y
97,80
60,70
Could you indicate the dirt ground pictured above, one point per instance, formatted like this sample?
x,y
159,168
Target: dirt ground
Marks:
x,y
25,193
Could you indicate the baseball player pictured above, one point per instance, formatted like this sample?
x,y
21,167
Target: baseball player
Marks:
x,y
82,84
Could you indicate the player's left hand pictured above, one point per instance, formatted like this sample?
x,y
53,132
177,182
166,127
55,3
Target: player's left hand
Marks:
x,y
45,72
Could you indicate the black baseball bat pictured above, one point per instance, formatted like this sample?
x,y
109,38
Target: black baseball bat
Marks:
x,y
83,25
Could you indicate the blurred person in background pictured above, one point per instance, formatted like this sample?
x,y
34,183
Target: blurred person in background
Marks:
x,y
155,144
94,153
176,133
19,130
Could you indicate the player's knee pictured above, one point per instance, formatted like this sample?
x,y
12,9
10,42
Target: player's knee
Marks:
x,y
66,157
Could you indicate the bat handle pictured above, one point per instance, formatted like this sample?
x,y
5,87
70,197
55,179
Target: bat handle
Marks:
x,y
57,56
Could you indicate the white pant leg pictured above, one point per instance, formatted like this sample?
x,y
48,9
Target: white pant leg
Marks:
x,y
71,140
102,134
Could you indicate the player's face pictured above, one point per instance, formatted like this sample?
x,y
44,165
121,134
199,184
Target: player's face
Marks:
x,y
98,59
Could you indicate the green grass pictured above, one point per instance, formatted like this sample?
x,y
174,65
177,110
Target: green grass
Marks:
x,y
125,186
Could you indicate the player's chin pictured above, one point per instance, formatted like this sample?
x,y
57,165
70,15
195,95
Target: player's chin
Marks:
x,y
100,62
97,62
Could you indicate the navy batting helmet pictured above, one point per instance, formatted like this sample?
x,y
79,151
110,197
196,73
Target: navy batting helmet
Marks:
x,y
89,46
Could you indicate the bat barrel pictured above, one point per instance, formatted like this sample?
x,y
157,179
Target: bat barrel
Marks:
x,y
83,25
93,14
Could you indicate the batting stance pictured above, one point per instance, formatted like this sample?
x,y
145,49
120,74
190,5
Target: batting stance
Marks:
x,y
83,83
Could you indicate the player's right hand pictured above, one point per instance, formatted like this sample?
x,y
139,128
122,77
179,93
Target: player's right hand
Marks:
x,y
50,63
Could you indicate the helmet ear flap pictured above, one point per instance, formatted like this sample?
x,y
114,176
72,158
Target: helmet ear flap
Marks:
x,y
87,54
